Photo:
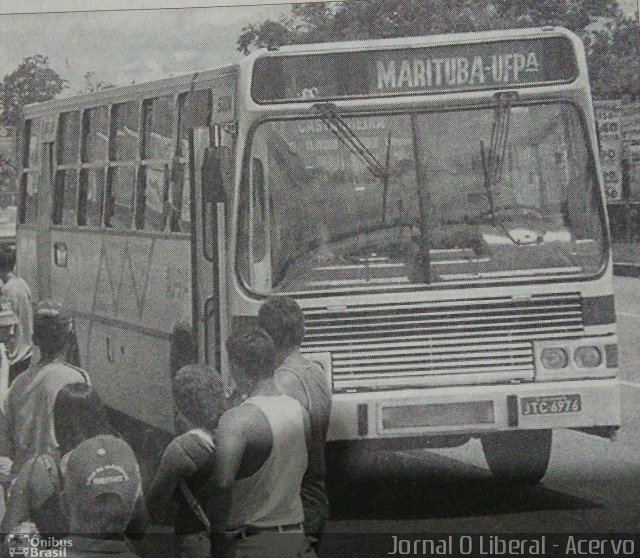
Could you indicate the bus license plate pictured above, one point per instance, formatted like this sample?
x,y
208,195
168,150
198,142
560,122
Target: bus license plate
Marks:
x,y
551,404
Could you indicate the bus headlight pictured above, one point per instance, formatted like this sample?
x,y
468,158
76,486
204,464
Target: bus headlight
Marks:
x,y
587,357
554,358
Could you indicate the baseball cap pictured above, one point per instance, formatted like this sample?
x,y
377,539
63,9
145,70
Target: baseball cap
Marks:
x,y
102,465
7,315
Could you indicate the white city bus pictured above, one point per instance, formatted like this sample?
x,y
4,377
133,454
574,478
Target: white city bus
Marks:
x,y
434,204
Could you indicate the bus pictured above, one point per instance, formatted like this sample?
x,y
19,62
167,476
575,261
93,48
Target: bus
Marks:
x,y
434,204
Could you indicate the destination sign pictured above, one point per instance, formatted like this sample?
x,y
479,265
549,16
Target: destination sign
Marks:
x,y
415,70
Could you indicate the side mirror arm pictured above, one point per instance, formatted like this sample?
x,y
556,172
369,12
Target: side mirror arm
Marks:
x,y
212,174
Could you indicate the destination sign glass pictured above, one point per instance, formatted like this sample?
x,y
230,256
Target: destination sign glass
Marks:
x,y
422,70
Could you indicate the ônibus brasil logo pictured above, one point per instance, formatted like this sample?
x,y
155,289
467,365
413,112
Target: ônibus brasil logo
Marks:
x,y
34,546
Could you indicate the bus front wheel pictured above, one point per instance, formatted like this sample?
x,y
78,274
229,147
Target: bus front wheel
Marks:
x,y
519,457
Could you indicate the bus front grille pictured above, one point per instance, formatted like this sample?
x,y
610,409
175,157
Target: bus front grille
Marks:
x,y
441,343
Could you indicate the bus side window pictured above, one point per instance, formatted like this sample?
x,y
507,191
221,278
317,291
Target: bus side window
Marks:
x,y
123,154
65,186
64,197
258,213
68,140
95,151
30,173
120,193
95,135
90,197
154,171
29,194
243,231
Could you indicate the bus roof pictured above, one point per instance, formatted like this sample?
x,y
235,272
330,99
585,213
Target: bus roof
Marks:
x,y
120,94
176,83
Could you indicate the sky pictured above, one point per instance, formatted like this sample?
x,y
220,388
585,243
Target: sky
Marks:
x,y
128,46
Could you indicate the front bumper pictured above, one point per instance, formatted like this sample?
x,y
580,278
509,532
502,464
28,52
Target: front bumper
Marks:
x,y
365,415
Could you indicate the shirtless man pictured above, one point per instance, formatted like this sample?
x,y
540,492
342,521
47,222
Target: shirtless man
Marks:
x,y
260,460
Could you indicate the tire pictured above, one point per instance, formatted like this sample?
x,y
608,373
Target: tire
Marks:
x,y
520,457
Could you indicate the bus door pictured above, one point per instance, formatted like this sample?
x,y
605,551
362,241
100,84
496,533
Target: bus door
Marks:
x,y
209,172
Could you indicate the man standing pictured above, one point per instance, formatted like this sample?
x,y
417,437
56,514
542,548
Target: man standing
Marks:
x,y
28,412
187,462
260,460
19,294
305,381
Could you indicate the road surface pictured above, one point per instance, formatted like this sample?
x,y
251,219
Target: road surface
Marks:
x,y
592,485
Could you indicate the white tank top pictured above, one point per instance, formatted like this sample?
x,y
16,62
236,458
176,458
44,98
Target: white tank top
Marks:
x,y
271,496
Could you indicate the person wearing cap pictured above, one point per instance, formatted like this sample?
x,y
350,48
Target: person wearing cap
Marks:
x,y
282,318
260,460
101,489
17,291
34,496
28,429
187,463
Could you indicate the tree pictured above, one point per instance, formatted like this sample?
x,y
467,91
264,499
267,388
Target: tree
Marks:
x,y
33,81
370,19
267,34
90,85
322,22
613,52
573,14
7,177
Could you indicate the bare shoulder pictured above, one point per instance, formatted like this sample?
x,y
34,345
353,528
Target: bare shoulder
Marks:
x,y
290,384
237,420
233,418
285,378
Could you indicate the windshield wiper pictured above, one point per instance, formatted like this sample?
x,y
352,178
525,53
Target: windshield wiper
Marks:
x,y
493,157
337,125
333,120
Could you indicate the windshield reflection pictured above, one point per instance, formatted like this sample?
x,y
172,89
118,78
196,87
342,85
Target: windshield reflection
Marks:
x,y
447,203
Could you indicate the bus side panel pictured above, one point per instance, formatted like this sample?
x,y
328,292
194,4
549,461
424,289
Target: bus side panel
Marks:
x,y
128,292
130,370
27,260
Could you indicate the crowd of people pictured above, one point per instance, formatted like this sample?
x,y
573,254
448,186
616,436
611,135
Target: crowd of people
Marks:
x,y
244,477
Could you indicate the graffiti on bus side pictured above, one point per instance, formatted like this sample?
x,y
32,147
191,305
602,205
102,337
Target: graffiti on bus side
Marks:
x,y
177,284
117,277
131,271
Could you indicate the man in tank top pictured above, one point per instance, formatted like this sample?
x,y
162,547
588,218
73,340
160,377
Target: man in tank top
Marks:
x,y
260,461
282,318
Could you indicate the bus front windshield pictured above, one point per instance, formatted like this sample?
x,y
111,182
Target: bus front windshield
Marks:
x,y
338,201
